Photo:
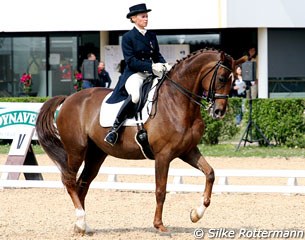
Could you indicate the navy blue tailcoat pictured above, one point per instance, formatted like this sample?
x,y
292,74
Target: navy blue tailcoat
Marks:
x,y
139,53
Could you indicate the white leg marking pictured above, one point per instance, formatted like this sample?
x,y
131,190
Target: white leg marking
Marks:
x,y
201,209
80,216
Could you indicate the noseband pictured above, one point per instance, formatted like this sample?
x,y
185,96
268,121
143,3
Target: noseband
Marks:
x,y
211,96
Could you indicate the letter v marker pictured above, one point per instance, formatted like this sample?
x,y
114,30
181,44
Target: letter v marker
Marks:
x,y
20,140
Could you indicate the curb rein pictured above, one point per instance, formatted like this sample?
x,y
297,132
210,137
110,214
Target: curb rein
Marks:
x,y
210,98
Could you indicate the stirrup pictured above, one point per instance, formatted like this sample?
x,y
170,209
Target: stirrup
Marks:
x,y
111,138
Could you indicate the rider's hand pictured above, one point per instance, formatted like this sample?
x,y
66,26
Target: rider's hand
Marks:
x,y
167,66
158,69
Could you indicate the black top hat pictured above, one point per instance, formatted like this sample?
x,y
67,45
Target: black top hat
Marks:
x,y
139,8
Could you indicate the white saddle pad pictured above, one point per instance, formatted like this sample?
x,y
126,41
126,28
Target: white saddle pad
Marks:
x,y
109,111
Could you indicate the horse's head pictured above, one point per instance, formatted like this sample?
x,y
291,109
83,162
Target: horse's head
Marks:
x,y
217,84
205,74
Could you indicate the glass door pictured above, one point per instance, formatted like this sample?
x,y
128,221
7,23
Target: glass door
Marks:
x,y
63,63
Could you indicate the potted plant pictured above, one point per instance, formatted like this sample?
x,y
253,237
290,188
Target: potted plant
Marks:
x,y
26,80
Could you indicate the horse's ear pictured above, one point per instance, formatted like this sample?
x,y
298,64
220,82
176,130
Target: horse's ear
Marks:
x,y
241,60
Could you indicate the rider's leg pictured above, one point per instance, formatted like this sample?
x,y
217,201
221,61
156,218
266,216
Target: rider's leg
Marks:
x,y
132,86
127,108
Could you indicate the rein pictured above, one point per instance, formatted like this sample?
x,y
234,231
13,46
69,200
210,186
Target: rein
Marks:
x,y
210,98
211,92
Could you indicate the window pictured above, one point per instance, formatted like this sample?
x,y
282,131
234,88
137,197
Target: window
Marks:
x,y
17,56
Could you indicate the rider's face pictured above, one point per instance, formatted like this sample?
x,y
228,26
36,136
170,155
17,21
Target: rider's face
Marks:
x,y
141,20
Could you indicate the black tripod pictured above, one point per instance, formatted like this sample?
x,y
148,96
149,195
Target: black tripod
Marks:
x,y
248,134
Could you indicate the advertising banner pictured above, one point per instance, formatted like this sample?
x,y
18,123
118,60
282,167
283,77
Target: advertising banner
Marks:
x,y
15,117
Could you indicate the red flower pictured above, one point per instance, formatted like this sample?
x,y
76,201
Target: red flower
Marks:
x,y
25,78
78,76
78,81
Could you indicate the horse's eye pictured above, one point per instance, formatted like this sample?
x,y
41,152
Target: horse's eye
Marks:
x,y
223,79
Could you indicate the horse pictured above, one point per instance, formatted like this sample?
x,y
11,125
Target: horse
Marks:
x,y
173,132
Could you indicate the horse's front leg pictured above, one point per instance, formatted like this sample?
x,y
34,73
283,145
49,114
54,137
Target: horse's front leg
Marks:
x,y
161,174
195,159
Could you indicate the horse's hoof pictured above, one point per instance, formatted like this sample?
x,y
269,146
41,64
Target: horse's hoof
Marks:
x,y
89,231
160,228
163,231
79,231
194,216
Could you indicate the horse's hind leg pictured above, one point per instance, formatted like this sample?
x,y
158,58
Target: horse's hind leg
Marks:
x,y
69,180
195,159
93,162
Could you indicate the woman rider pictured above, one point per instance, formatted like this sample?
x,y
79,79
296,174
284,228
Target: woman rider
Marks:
x,y
143,58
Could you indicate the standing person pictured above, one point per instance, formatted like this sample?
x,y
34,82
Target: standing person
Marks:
x,y
254,84
103,76
88,83
253,89
238,90
238,85
143,58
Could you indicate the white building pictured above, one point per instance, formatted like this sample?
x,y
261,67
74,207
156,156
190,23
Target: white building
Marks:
x,y
50,39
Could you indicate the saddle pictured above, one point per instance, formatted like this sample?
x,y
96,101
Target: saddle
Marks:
x,y
138,117
144,91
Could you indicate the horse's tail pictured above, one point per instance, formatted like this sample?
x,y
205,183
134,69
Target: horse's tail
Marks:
x,y
49,138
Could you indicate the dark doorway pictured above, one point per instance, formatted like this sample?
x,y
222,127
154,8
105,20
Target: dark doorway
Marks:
x,y
237,41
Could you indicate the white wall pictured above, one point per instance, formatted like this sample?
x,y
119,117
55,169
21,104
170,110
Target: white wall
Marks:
x,y
58,15
262,63
266,13
79,15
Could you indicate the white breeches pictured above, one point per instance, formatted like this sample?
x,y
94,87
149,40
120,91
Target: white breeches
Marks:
x,y
133,85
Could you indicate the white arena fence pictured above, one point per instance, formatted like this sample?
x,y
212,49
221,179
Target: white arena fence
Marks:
x,y
222,185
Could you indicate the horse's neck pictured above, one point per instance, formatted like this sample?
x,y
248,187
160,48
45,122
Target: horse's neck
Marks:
x,y
175,102
195,66
193,71
188,74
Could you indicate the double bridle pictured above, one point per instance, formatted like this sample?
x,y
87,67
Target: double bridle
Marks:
x,y
195,98
211,96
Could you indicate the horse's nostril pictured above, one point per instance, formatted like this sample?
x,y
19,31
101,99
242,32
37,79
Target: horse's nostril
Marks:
x,y
217,112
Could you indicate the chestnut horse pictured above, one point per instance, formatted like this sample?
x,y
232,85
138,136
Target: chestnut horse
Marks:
x,y
173,132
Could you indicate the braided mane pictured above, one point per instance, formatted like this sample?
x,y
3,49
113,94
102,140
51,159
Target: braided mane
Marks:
x,y
195,53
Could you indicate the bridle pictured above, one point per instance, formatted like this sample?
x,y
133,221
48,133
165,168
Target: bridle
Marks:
x,y
211,96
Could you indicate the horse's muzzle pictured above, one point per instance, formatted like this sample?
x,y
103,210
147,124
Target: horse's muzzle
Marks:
x,y
217,112
217,109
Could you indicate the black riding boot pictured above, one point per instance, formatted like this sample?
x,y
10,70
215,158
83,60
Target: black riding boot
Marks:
x,y
127,110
